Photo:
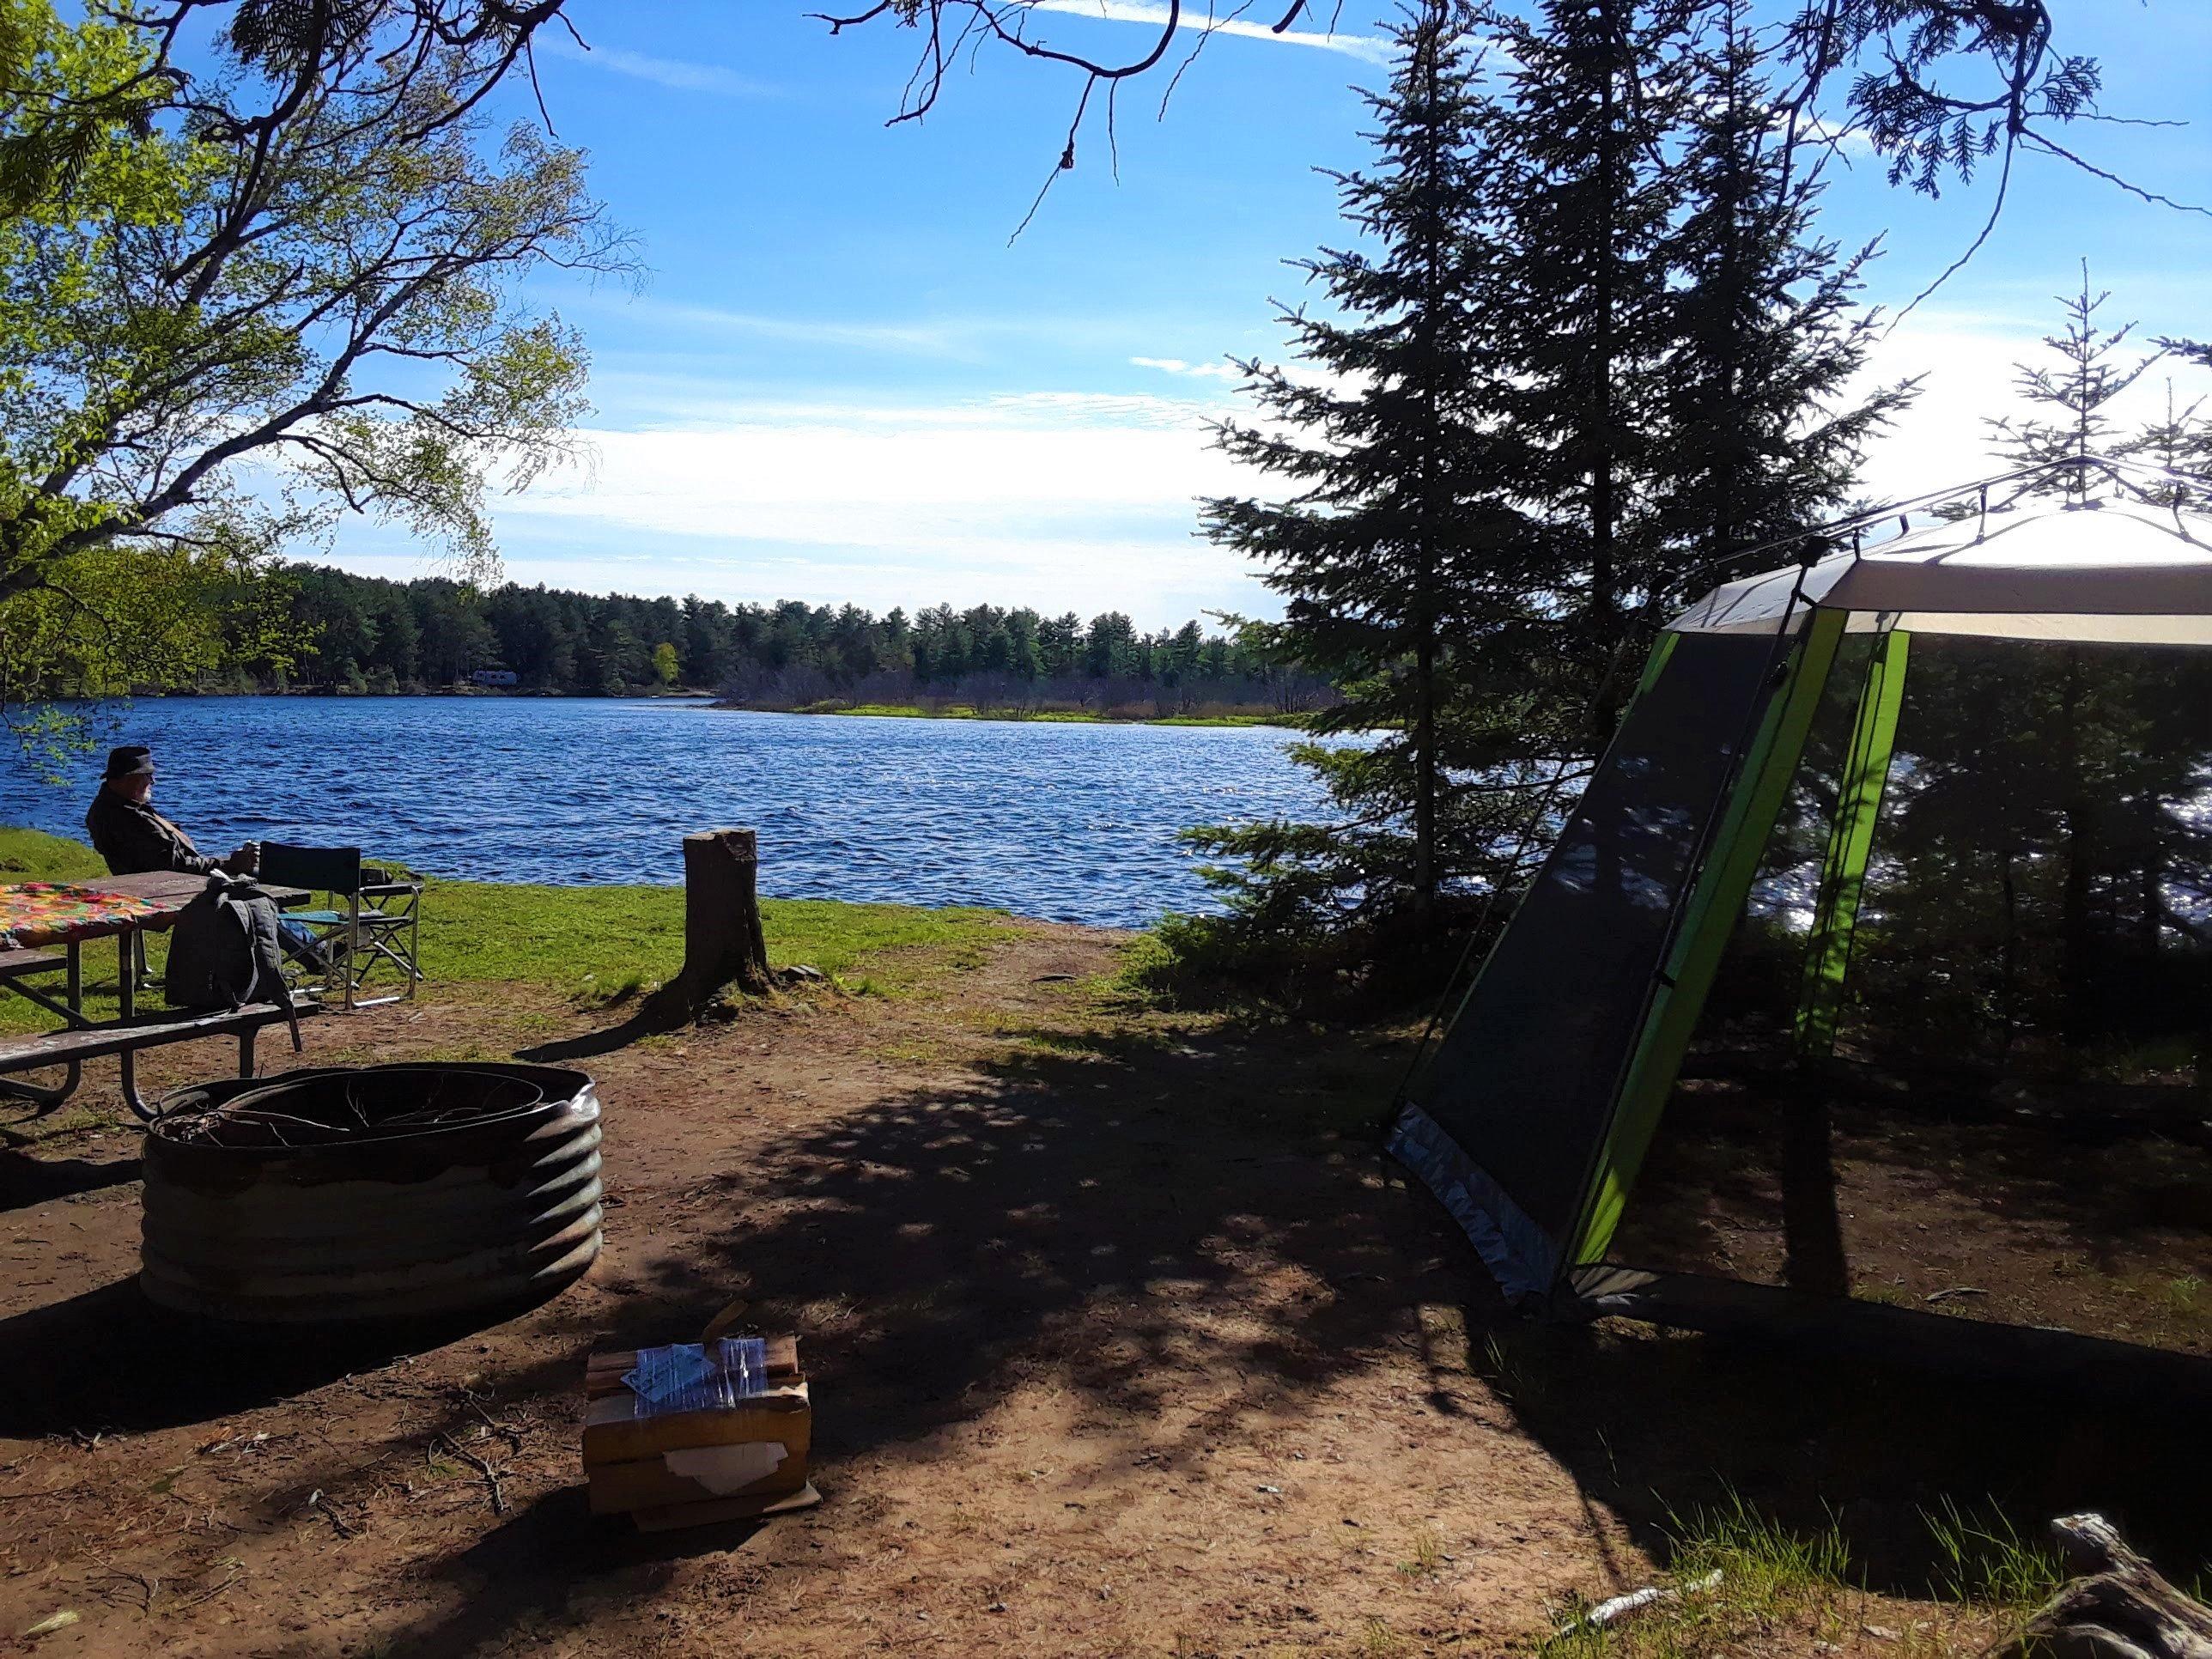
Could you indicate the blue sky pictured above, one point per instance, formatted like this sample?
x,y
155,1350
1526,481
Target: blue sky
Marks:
x,y
840,381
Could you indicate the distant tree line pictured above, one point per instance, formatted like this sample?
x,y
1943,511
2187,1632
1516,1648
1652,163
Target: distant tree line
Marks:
x,y
366,634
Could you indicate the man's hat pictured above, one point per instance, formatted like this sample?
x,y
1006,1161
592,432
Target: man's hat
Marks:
x,y
131,761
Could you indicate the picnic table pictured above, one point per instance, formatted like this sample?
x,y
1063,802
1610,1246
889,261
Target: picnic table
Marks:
x,y
40,915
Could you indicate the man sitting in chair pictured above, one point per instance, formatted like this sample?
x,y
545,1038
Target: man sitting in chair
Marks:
x,y
135,840
133,837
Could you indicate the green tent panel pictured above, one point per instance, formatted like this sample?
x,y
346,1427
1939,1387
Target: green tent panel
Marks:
x,y
1531,1116
1518,1099
1729,865
1850,843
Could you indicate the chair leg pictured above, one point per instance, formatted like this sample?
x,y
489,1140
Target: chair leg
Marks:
x,y
245,1050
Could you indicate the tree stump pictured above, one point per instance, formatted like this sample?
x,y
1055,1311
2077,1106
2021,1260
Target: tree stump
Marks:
x,y
722,940
2121,1610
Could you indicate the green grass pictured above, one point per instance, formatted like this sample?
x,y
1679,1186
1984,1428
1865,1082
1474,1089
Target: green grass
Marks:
x,y
1770,1578
1984,1559
32,855
572,937
595,944
1780,1590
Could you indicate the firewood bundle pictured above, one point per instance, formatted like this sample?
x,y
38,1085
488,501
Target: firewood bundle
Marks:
x,y
698,1432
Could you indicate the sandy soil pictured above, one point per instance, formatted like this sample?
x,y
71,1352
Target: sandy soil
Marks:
x,y
2086,1206
1124,1338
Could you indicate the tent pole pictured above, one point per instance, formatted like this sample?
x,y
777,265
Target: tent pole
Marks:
x,y
1717,898
1850,844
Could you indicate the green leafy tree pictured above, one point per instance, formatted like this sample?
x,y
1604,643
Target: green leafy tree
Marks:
x,y
306,261
666,666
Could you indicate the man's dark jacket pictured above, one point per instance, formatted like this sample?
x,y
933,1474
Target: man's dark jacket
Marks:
x,y
134,839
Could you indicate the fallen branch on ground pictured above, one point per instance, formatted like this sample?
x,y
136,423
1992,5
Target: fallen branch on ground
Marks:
x,y
1619,1607
2119,1608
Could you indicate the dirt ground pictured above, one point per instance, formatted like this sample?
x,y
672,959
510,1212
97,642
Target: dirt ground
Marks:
x,y
2086,1206
1124,1340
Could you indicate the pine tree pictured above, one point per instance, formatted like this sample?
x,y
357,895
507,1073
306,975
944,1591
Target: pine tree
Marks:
x,y
2180,446
1759,442
1374,553
1600,347
1599,92
2080,389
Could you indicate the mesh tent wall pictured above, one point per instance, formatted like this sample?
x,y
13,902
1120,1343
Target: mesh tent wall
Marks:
x,y
1530,1117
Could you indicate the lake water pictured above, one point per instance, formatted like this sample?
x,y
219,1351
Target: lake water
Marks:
x,y
1074,823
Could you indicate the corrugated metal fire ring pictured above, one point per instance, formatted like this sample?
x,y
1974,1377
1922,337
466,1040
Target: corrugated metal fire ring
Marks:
x,y
499,1205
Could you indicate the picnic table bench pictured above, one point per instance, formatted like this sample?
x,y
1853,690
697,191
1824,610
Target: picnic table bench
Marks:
x,y
120,908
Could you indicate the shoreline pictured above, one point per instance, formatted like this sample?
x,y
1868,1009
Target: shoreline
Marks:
x,y
1017,717
708,700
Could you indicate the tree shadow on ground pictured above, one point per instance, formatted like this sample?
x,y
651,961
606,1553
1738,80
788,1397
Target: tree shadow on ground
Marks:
x,y
1114,1215
1658,1426
110,1360
1119,1216
2116,1179
27,1179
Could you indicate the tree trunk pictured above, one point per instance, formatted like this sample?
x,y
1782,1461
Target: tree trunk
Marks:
x,y
1814,1259
2077,944
1425,787
2121,1609
722,940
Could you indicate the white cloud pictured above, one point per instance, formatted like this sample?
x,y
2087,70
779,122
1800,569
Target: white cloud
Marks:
x,y
1201,371
924,339
1372,48
671,72
1057,499
963,336
1969,358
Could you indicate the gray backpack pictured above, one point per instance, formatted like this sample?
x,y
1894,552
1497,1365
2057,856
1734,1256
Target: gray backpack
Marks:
x,y
223,951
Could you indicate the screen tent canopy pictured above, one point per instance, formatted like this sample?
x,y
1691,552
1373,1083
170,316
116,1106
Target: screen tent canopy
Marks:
x,y
1530,1116
2117,572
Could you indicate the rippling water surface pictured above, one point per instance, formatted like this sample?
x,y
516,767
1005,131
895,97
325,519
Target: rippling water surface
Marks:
x,y
1075,822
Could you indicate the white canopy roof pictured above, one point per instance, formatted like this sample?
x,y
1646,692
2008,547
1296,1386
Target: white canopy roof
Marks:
x,y
2118,571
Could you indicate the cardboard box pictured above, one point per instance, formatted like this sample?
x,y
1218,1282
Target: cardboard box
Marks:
x,y
694,1467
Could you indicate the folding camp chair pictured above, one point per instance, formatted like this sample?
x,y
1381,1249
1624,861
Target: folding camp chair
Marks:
x,y
373,922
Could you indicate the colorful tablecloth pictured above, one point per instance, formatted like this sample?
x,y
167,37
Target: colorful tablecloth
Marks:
x,y
53,913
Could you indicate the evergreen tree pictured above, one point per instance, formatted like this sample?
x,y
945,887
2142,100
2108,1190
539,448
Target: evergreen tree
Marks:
x,y
1374,553
1587,322
2086,380
1598,347
1758,444
2180,446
